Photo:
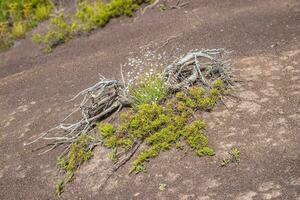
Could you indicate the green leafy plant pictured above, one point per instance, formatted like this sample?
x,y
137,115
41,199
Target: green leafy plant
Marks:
x,y
234,157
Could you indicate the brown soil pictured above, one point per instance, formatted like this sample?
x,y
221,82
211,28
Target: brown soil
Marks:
x,y
264,125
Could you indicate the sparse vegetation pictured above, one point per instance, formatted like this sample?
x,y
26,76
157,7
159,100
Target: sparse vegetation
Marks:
x,y
89,16
19,16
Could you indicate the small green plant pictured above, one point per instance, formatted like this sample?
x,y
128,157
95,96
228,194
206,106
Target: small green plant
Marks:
x,y
59,186
234,157
162,7
206,151
18,30
78,154
225,162
42,12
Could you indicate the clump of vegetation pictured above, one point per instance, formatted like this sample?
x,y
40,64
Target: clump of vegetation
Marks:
x,y
18,30
79,153
89,16
162,125
234,157
151,89
161,115
42,12
19,16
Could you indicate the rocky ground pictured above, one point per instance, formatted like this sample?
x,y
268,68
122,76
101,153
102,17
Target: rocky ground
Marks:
x,y
263,124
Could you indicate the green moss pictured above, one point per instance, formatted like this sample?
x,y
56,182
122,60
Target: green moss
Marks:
x,y
196,92
218,84
207,103
205,151
106,129
159,122
198,98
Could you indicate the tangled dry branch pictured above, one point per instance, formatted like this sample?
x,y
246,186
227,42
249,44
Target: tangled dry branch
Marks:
x,y
109,96
98,102
202,67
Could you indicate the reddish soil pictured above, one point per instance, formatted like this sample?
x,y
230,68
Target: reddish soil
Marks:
x,y
264,125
